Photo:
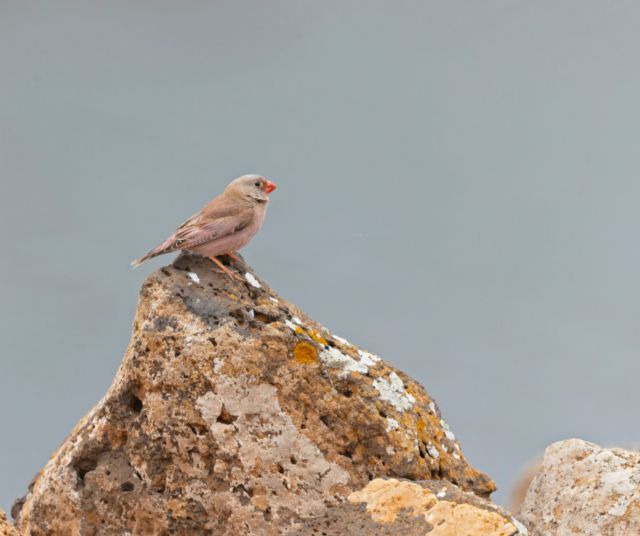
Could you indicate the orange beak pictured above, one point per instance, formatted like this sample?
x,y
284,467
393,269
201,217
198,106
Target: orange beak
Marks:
x,y
270,186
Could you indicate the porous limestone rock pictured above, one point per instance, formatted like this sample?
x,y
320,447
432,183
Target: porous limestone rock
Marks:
x,y
6,528
234,413
401,507
582,488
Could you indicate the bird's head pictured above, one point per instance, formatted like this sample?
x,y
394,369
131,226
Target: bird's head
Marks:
x,y
254,188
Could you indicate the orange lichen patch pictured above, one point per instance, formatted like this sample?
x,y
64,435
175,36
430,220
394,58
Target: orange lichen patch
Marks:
x,y
315,335
305,353
407,420
421,428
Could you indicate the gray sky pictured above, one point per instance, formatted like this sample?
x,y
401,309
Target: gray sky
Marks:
x,y
458,193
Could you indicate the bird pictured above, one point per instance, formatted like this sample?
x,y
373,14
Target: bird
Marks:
x,y
223,226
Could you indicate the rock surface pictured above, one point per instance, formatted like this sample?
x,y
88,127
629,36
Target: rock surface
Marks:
x,y
400,507
234,413
584,489
6,528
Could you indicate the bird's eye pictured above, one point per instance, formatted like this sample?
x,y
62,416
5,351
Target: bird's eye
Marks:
x,y
258,184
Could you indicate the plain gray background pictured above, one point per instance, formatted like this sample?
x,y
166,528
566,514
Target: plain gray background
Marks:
x,y
458,192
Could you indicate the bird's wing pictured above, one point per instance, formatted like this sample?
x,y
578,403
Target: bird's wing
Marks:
x,y
210,225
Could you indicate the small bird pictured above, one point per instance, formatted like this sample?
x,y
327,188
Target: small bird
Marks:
x,y
225,225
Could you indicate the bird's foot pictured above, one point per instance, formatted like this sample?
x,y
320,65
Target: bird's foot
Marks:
x,y
225,269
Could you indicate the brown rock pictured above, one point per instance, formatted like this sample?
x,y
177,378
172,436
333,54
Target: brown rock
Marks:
x,y
584,489
234,413
6,528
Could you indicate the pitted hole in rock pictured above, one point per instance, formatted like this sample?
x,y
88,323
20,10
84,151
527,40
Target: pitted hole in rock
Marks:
x,y
347,392
197,429
244,496
226,417
240,316
326,419
136,404
293,460
82,467
348,452
263,318
213,341
130,400
127,486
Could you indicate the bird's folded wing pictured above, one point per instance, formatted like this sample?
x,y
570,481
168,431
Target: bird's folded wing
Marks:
x,y
200,230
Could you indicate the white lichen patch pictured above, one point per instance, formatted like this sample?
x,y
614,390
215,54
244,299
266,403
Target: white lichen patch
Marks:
x,y
334,358
432,407
217,365
194,277
442,493
252,280
393,392
251,314
274,300
447,431
367,358
392,424
433,451
290,325
296,320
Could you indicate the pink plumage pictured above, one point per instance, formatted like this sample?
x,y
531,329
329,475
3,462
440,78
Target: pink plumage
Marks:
x,y
225,225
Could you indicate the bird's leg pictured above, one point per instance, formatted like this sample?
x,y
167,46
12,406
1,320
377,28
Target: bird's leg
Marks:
x,y
225,269
233,255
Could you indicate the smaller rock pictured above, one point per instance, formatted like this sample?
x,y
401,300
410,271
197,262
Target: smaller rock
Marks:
x,y
6,528
582,488
402,507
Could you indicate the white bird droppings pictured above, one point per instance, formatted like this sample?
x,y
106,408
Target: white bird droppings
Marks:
x,y
273,299
442,493
252,280
393,391
342,341
296,320
290,325
194,277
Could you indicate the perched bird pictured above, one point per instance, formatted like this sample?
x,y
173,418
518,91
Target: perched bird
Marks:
x,y
225,225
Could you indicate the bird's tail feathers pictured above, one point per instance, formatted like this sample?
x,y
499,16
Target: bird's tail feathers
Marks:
x,y
146,257
165,247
